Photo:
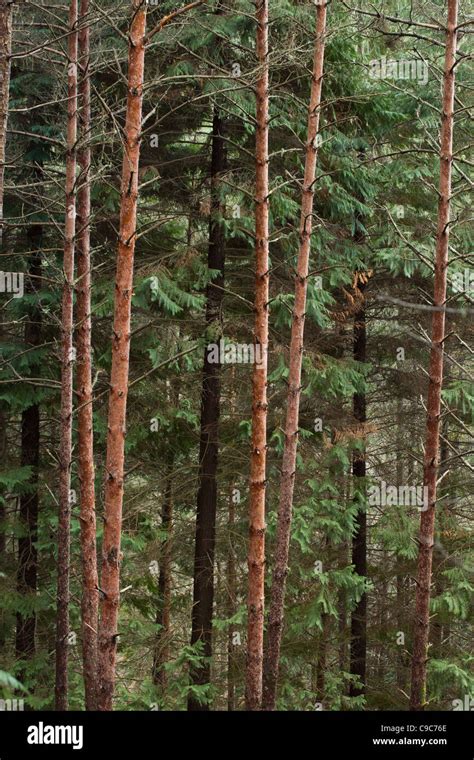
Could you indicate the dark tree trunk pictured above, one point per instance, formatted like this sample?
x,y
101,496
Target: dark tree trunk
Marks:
x,y
203,589
342,614
27,571
321,664
5,53
358,650
232,606
161,654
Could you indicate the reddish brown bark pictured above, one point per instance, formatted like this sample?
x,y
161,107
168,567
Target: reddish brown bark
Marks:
x,y
90,592
285,508
65,444
110,577
5,53
256,551
114,463
431,458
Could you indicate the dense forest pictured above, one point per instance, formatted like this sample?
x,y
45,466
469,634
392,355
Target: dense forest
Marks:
x,y
236,355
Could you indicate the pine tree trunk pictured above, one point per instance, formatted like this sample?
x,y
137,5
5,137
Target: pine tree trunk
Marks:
x,y
110,577
322,658
86,472
342,612
67,325
5,53
427,522
358,649
256,550
232,606
203,589
27,571
440,583
280,570
400,579
161,655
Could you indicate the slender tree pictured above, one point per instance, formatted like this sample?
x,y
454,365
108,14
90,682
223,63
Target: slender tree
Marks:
x,y
110,576
231,604
203,590
115,454
285,508
67,329
438,334
358,646
163,613
90,590
256,551
5,53
27,571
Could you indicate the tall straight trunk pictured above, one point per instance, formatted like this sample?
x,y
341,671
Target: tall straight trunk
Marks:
x,y
161,655
285,508
27,571
400,578
427,522
437,634
115,454
322,657
67,327
342,612
232,606
358,648
203,589
90,592
110,577
401,618
5,53
256,550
